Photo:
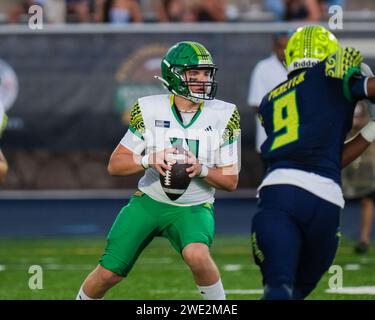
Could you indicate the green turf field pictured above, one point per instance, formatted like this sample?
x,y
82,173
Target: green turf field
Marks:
x,y
159,273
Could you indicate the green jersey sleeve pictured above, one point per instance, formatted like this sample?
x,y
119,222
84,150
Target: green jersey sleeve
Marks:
x,y
136,124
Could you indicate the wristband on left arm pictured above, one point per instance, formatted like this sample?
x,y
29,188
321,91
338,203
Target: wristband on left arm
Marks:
x,y
368,132
204,172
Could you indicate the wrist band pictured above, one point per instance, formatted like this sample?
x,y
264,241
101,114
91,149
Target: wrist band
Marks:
x,y
368,132
144,161
365,86
204,172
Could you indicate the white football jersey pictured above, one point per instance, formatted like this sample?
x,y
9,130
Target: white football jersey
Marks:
x,y
212,135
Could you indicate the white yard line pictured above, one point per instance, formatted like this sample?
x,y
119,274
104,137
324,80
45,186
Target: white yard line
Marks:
x,y
232,267
353,290
244,291
352,267
234,291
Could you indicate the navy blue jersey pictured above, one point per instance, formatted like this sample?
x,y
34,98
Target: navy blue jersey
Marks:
x,y
306,119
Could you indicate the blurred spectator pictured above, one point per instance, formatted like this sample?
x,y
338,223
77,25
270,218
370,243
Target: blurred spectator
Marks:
x,y
195,10
3,162
327,3
20,8
291,10
79,10
277,7
359,181
210,10
267,74
118,11
53,10
175,11
302,10
56,11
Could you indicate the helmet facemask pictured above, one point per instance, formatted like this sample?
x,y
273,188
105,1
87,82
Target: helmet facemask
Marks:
x,y
193,89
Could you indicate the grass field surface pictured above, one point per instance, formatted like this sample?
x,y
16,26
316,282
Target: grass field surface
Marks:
x,y
160,272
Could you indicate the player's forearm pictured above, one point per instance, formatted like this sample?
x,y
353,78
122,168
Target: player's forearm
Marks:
x,y
3,171
124,164
3,167
219,180
353,149
371,88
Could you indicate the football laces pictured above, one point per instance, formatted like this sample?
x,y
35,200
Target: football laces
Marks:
x,y
167,177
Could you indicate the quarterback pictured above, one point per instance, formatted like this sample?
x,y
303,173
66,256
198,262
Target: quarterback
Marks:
x,y
296,231
188,122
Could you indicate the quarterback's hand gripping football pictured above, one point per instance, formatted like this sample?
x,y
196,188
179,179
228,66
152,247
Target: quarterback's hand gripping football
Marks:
x,y
162,160
343,62
195,168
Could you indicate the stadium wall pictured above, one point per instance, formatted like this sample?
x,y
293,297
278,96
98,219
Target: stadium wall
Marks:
x,y
73,85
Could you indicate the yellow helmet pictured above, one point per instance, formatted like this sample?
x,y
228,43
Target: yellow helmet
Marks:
x,y
308,46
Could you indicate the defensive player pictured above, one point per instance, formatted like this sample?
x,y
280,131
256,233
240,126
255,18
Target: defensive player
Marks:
x,y
3,162
295,233
188,118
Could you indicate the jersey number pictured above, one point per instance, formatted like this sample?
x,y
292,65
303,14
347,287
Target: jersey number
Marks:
x,y
192,144
285,115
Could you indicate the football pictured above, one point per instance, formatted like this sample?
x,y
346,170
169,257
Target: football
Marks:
x,y
176,181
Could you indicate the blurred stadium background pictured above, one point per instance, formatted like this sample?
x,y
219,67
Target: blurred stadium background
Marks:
x,y
67,90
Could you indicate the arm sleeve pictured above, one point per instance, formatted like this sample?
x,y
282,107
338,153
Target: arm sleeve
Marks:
x,y
357,86
227,154
134,138
354,85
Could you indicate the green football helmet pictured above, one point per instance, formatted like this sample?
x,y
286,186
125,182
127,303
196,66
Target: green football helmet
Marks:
x,y
308,46
184,56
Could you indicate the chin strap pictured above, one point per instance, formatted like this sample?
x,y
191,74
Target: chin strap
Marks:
x,y
166,84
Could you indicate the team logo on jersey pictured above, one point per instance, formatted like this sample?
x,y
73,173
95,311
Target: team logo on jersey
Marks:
x,y
135,77
162,123
8,85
